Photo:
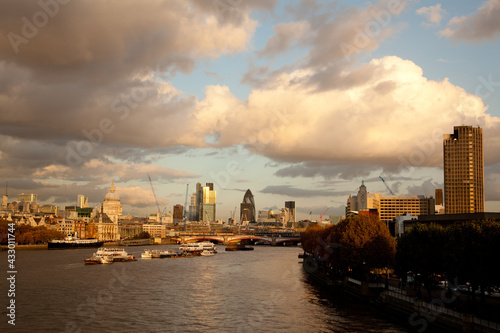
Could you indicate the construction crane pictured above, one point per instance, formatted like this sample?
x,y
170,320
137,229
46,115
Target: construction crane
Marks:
x,y
156,201
321,216
387,186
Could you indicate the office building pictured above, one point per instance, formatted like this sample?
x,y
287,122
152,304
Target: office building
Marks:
x,y
247,207
207,208
26,197
463,170
388,207
178,213
82,201
290,212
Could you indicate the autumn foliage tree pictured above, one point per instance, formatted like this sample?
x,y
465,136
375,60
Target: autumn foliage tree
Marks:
x,y
26,234
359,243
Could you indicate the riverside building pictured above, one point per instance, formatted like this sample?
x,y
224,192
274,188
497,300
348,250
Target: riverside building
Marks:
x,y
463,170
388,207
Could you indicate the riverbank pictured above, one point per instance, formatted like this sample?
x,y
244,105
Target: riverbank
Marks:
x,y
26,247
402,305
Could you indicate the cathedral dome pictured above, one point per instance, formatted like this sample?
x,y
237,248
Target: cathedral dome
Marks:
x,y
112,195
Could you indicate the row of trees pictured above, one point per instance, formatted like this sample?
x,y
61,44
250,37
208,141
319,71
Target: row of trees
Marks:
x,y
26,234
355,245
467,252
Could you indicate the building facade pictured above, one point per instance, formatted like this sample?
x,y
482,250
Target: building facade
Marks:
x,y
209,199
112,206
247,207
463,170
388,206
290,211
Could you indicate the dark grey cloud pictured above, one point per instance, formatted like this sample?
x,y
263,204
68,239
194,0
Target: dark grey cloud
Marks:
x,y
326,170
294,192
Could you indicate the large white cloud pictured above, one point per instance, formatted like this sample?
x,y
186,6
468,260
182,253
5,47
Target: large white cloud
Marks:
x,y
394,114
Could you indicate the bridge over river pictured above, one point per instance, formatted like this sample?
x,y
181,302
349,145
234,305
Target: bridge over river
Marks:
x,y
271,238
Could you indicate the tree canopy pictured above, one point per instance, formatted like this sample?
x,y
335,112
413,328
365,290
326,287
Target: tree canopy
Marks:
x,y
466,251
26,234
359,243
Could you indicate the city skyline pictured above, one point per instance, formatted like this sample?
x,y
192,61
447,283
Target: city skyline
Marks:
x,y
295,100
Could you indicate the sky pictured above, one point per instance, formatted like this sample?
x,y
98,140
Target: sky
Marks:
x,y
294,100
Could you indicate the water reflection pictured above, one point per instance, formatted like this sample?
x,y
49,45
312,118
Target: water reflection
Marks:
x,y
264,290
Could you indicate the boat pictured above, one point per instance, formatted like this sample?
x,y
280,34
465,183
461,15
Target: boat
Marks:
x,y
106,260
238,247
197,248
206,253
147,254
109,255
152,254
73,243
92,261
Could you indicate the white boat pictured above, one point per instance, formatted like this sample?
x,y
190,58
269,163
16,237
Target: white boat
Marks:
x,y
147,254
116,254
206,253
152,254
106,260
198,247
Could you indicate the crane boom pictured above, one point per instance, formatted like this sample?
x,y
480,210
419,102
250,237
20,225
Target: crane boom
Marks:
x,y
387,186
154,194
321,216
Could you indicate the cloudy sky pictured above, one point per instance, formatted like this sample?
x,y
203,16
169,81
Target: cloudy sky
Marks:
x,y
295,100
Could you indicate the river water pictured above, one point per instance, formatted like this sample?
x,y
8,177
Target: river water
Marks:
x,y
265,290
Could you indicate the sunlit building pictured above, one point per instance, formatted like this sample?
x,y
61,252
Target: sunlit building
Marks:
x,y
388,207
112,206
27,197
207,208
463,170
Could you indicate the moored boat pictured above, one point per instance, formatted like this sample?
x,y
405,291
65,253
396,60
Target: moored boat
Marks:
x,y
152,254
197,248
73,243
207,253
238,247
147,254
109,255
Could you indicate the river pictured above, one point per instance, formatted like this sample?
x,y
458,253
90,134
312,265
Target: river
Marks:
x,y
265,290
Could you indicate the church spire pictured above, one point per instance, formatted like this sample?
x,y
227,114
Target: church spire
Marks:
x,y
112,190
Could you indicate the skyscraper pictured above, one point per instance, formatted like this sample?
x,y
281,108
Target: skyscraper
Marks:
x,y
82,201
207,210
463,170
247,207
290,211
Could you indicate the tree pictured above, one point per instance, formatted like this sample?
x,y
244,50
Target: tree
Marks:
x,y
365,243
360,243
142,235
